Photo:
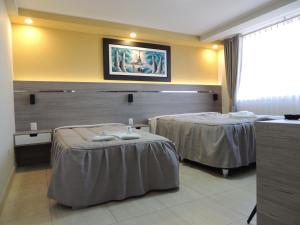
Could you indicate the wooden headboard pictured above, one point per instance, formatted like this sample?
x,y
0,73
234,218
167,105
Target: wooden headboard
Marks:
x,y
68,103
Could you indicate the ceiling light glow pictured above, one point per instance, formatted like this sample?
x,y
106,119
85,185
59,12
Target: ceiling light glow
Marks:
x,y
215,46
132,35
28,21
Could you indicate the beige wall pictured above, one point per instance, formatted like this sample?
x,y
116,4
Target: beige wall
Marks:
x,y
47,54
7,126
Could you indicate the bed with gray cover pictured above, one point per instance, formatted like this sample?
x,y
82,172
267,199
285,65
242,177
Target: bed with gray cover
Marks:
x,y
214,139
87,172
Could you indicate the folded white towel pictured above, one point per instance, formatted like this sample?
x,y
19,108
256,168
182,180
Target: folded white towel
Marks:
x,y
124,135
103,138
242,114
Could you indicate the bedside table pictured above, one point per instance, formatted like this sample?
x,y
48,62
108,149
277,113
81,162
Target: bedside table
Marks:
x,y
32,147
142,126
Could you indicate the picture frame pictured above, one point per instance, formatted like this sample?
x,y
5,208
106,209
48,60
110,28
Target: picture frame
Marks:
x,y
130,60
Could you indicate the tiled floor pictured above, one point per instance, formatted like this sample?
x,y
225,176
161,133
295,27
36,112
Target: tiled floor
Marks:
x,y
204,198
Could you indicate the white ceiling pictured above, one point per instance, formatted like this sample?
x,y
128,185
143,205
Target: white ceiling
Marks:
x,y
194,17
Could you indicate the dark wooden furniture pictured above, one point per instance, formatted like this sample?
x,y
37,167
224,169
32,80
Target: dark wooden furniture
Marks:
x,y
32,148
278,172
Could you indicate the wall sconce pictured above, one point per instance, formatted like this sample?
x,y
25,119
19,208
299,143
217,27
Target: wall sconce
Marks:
x,y
130,98
215,97
32,99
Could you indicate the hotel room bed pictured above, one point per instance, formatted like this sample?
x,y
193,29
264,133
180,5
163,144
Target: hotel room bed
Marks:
x,y
85,172
214,139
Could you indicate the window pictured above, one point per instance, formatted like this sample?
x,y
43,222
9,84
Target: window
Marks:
x,y
270,71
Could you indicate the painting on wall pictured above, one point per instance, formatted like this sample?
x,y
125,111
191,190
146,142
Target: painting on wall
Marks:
x,y
127,60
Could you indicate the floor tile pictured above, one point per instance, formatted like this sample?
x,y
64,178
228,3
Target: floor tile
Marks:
x,y
244,222
209,182
40,219
238,200
36,220
33,211
29,180
251,187
205,211
206,184
99,215
48,175
204,198
27,201
27,193
248,178
176,197
134,207
162,217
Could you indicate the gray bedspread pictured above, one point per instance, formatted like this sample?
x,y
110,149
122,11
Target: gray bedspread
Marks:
x,y
213,139
86,173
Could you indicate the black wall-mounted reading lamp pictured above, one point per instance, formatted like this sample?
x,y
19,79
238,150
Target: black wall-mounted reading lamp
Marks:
x,y
215,97
32,99
130,98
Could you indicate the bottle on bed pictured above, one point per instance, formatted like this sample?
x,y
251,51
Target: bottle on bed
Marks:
x,y
130,122
130,125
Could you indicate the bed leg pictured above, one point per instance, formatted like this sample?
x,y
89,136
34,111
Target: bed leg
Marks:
x,y
180,158
225,172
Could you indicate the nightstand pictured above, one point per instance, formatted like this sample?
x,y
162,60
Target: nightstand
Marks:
x,y
142,126
32,147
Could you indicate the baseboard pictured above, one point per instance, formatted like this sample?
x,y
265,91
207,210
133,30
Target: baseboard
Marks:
x,y
4,193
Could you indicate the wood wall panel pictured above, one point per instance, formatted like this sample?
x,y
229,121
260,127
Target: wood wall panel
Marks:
x,y
87,106
278,172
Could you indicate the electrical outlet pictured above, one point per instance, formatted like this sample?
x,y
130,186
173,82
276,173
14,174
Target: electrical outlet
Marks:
x,y
33,126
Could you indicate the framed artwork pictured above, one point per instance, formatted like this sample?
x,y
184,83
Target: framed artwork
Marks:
x,y
128,60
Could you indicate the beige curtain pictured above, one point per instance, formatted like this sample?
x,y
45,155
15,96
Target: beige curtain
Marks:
x,y
232,54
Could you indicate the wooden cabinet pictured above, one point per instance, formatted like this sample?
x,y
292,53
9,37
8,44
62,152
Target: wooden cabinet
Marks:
x,y
32,148
278,172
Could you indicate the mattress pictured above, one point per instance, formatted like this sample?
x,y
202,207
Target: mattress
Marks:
x,y
214,139
86,172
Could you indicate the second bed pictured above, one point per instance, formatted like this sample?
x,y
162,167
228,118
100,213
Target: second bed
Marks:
x,y
218,140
